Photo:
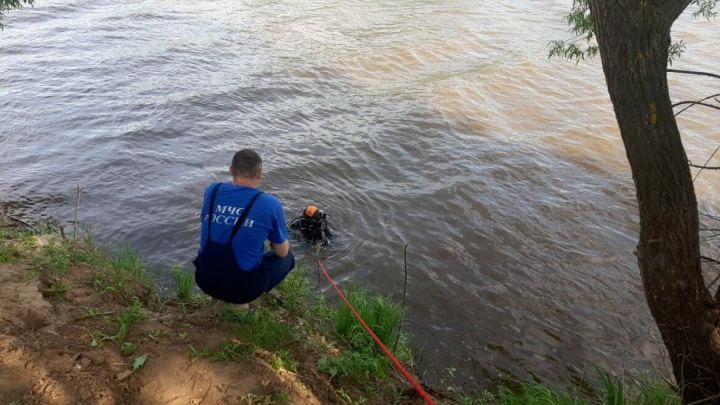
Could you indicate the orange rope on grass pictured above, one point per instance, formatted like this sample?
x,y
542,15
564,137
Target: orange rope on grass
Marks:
x,y
395,362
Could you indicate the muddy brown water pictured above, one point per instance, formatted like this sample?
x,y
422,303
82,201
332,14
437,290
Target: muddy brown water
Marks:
x,y
440,124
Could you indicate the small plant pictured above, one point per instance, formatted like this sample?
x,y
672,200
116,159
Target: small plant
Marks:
x,y
283,360
295,290
58,255
350,400
381,314
128,348
129,316
354,363
184,283
282,398
225,351
263,329
122,270
362,358
128,261
255,399
533,394
8,254
59,288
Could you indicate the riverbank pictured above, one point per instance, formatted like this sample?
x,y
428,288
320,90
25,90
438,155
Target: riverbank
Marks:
x,y
82,325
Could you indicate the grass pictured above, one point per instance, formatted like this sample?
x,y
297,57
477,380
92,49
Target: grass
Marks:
x,y
295,290
283,360
261,327
59,288
58,255
121,271
184,283
606,390
225,351
363,358
129,316
13,242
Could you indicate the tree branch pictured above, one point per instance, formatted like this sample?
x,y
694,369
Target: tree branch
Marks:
x,y
693,72
692,103
704,167
699,101
709,259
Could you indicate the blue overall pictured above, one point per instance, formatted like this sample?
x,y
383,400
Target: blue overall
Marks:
x,y
218,274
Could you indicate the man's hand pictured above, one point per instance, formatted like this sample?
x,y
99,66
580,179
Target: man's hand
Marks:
x,y
281,249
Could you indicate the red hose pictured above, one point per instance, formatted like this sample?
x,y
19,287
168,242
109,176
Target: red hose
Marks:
x,y
395,362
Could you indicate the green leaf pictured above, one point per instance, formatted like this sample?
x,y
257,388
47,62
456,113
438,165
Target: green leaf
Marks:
x,y
127,348
139,362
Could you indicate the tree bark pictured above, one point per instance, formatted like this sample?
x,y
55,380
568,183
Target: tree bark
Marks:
x,y
634,37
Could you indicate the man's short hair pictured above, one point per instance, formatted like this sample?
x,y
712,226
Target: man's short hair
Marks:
x,y
246,163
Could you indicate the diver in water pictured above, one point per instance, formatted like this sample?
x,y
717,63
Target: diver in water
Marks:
x,y
237,219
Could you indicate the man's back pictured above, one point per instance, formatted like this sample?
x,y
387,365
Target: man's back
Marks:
x,y
231,264
265,221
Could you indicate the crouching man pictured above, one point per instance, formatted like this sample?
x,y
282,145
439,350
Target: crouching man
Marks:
x,y
237,219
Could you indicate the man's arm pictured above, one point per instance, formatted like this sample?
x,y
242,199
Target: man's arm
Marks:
x,y
279,230
281,249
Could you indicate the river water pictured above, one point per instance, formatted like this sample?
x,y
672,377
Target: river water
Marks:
x,y
440,124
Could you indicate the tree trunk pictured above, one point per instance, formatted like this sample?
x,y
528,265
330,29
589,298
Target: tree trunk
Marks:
x,y
634,36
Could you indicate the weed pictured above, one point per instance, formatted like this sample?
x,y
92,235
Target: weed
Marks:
x,y
295,290
59,288
255,399
350,400
381,314
58,255
355,364
282,398
613,387
609,390
129,316
283,360
184,283
261,327
128,261
362,357
128,348
225,351
125,268
8,254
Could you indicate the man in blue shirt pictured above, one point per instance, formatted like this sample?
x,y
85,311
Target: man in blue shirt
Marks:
x,y
237,219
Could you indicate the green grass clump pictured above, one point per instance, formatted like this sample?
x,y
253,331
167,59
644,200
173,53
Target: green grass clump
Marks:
x,y
120,271
283,360
362,357
8,253
184,283
536,394
225,351
58,255
607,390
261,327
59,288
295,290
14,241
129,316
381,314
128,261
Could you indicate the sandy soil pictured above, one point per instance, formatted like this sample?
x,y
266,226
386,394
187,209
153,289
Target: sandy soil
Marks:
x,y
46,357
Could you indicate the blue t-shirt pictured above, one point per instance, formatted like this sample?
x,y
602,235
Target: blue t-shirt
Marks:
x,y
266,221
